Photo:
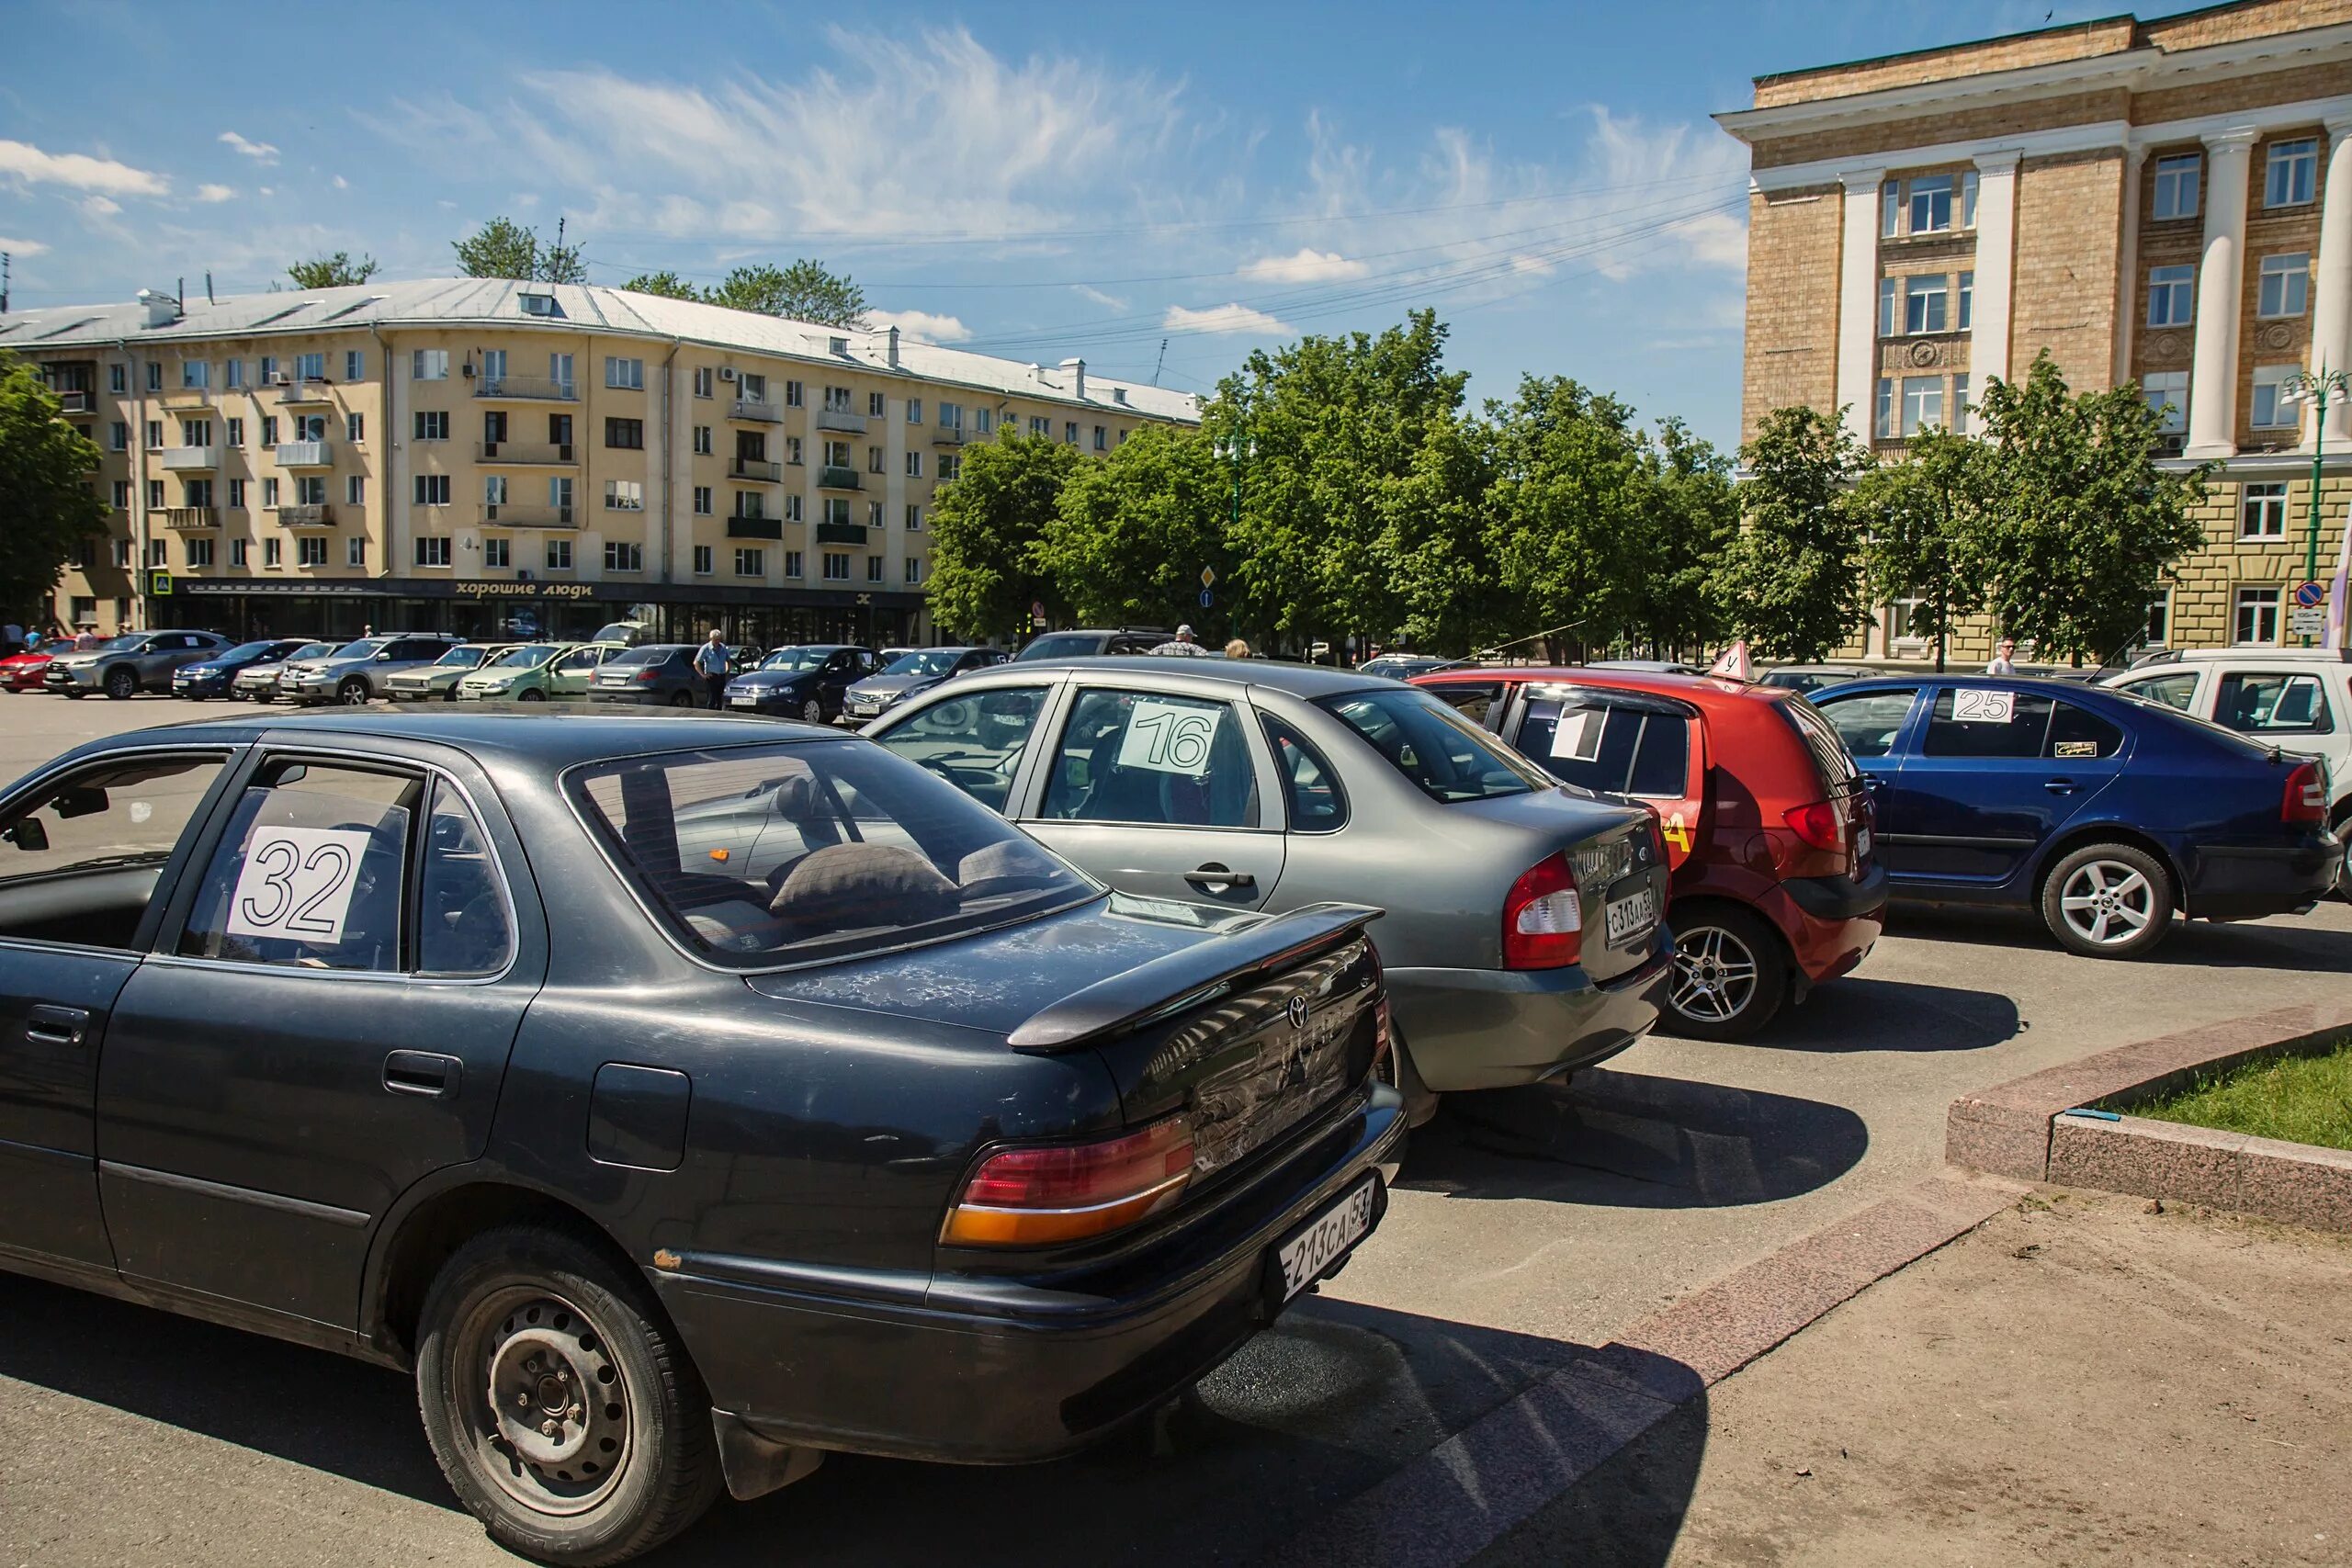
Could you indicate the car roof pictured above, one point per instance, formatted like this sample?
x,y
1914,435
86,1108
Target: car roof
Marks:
x,y
1701,689
2258,655
553,740
1298,679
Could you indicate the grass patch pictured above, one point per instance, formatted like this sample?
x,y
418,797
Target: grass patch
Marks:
x,y
2302,1100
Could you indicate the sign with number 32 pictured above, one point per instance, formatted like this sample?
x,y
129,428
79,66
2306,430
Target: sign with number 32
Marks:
x,y
297,883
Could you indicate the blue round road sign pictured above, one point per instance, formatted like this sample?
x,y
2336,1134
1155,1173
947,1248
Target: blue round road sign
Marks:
x,y
2311,595
1205,598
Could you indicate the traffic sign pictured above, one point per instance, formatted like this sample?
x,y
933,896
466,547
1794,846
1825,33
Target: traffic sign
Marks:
x,y
159,584
2310,595
1037,610
1205,598
1208,577
2307,620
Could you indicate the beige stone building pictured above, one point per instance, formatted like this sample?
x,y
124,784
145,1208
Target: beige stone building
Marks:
x,y
2166,202
493,458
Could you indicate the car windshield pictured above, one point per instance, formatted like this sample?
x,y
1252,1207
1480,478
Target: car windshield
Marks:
x,y
932,661
1061,645
124,643
1447,758
365,648
639,656
530,656
796,658
763,855
249,649
464,658
313,650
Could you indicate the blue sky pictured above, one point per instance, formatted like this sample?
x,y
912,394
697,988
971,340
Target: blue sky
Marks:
x,y
1035,180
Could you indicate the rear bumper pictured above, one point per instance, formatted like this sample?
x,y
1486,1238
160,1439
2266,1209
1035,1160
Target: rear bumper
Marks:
x,y
1830,923
995,1369
2247,881
1500,1028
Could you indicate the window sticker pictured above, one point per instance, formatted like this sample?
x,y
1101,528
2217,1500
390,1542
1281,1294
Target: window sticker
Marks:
x,y
1984,707
1169,737
297,883
1577,736
2074,748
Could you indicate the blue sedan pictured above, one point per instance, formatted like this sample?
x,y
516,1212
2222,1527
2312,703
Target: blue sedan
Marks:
x,y
2105,813
217,676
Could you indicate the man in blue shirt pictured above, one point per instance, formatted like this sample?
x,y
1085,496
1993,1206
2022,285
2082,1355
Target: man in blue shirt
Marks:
x,y
710,663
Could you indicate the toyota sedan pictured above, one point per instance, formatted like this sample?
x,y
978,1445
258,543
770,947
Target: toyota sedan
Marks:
x,y
676,1101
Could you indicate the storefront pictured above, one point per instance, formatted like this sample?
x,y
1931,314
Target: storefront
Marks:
x,y
762,618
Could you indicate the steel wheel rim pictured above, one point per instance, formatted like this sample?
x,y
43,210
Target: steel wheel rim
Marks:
x,y
1714,974
544,1403
2107,902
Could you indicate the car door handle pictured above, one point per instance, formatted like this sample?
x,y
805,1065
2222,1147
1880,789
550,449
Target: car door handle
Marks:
x,y
1216,876
2059,787
426,1073
47,1025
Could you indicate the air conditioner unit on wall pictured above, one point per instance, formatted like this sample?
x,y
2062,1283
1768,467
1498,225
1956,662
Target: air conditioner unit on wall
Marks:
x,y
727,372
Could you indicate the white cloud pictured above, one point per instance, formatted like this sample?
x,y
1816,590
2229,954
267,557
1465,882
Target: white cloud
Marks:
x,y
1222,318
921,325
215,193
265,190
1309,266
260,152
341,184
22,247
26,164
1108,301
99,206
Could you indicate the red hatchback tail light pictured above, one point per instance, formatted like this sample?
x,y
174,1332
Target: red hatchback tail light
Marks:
x,y
2306,799
1038,1196
1543,921
1822,825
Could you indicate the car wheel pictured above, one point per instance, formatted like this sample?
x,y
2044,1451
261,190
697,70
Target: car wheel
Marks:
x,y
122,682
813,711
683,700
558,1401
534,696
2107,901
1730,974
352,693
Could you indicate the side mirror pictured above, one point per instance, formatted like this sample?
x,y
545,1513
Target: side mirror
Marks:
x,y
384,657
27,833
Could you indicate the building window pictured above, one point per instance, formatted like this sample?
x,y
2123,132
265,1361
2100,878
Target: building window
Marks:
x,y
311,366
497,554
2262,511
1040,425
273,553
792,509
2286,285
431,425
836,566
269,430
749,503
1923,402
2273,410
1968,199
1967,300
702,500
1070,433
431,550
2171,296
354,365
354,552
119,378
155,553
1930,205
1103,435
875,405
702,441
429,364
2256,621
702,381
195,376
792,563
155,374
1883,415
874,569
623,557
750,562
355,489
199,552
2167,393
873,455
154,495
236,431
702,560
154,433
240,553
625,433
874,514
118,436
914,465
1923,303
494,490
268,370
1959,405
792,450
628,374
914,516
355,428
2159,621
2288,177
311,552
914,410
914,570
792,394
1890,210
2176,185
432,490
983,421
624,495
311,491
558,555
236,495
836,510
269,493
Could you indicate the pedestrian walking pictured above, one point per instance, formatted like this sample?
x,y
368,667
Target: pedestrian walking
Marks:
x,y
1183,645
2003,663
711,662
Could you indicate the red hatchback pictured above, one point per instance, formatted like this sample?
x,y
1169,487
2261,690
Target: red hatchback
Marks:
x,y
22,672
1767,822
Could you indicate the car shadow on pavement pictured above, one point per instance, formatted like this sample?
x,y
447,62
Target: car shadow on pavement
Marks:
x,y
1860,1013
1631,1140
2292,943
1624,1513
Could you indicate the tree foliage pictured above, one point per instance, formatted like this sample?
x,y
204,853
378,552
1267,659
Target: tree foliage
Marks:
x,y
667,284
805,291
987,528
1563,516
1792,582
1920,517
503,248
1132,532
47,500
336,271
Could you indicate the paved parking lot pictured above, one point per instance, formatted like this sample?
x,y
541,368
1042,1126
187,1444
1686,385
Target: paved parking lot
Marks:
x,y
1526,1224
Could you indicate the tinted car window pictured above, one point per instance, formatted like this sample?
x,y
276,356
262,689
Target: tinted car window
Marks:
x,y
975,742
462,925
2264,703
95,822
2175,691
308,872
911,860
1311,789
1062,645
1603,747
634,656
1151,758
1471,699
1869,722
1446,757
1977,723
2077,732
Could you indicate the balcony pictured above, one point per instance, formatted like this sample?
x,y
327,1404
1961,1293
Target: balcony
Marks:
x,y
741,527
527,389
190,459
840,420
947,435
545,454
757,470
310,514
758,410
294,391
304,454
80,403
841,534
510,515
191,517
830,477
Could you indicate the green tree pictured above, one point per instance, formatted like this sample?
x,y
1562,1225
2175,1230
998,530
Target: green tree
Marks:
x,y
1793,581
1133,530
805,291
503,248
986,527
336,271
2080,526
562,262
1691,515
667,284
1567,511
47,493
1920,517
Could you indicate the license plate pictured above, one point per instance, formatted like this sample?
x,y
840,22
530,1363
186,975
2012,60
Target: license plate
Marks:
x,y
1305,1257
1862,841
743,700
1628,917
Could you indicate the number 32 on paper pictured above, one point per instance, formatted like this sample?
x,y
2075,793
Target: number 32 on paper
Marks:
x,y
297,883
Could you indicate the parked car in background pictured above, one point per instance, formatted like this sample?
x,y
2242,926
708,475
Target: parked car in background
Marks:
x,y
535,672
2105,813
981,1160
1093,644
1803,678
1405,666
356,673
624,634
916,669
258,682
128,664
24,671
2298,698
654,675
806,683
438,681
1524,935
1766,820
215,676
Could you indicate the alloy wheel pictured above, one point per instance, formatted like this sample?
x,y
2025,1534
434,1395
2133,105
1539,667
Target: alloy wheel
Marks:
x,y
2107,902
813,711
552,1422
1714,974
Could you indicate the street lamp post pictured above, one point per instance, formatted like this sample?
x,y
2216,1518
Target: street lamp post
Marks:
x,y
2316,386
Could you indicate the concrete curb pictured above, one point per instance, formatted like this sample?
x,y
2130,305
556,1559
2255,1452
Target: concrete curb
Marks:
x,y
1462,1497
2294,1184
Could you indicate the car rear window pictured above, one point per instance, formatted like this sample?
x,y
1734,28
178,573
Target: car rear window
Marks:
x,y
639,656
1447,758
1062,645
768,855
1832,763
1602,746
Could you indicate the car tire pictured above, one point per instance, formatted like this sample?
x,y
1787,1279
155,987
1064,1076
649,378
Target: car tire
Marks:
x,y
812,711
2107,901
352,693
521,1317
121,682
534,696
1731,973
683,700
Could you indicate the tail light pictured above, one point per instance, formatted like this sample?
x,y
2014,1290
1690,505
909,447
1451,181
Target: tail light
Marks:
x,y
1039,1196
646,677
1543,921
1820,825
2306,799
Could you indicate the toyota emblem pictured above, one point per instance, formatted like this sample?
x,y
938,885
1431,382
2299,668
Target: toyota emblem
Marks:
x,y
1298,1010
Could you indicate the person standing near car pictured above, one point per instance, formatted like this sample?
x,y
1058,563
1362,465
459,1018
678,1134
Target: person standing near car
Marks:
x,y
2003,662
711,663
1181,645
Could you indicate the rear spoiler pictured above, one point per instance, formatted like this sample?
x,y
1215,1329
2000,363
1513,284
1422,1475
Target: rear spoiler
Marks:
x,y
1175,981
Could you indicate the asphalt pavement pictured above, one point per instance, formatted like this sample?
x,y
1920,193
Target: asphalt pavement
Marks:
x,y
1526,1224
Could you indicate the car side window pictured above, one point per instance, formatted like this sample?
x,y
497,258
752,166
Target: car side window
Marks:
x,y
578,658
1869,722
1134,642
2175,691
310,872
974,742
2076,732
1973,722
1311,791
2273,702
1600,746
79,858
462,925
1471,699
1147,757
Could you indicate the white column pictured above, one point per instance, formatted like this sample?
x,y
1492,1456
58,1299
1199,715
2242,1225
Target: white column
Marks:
x,y
2221,290
1857,301
1996,230
2127,271
2332,278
